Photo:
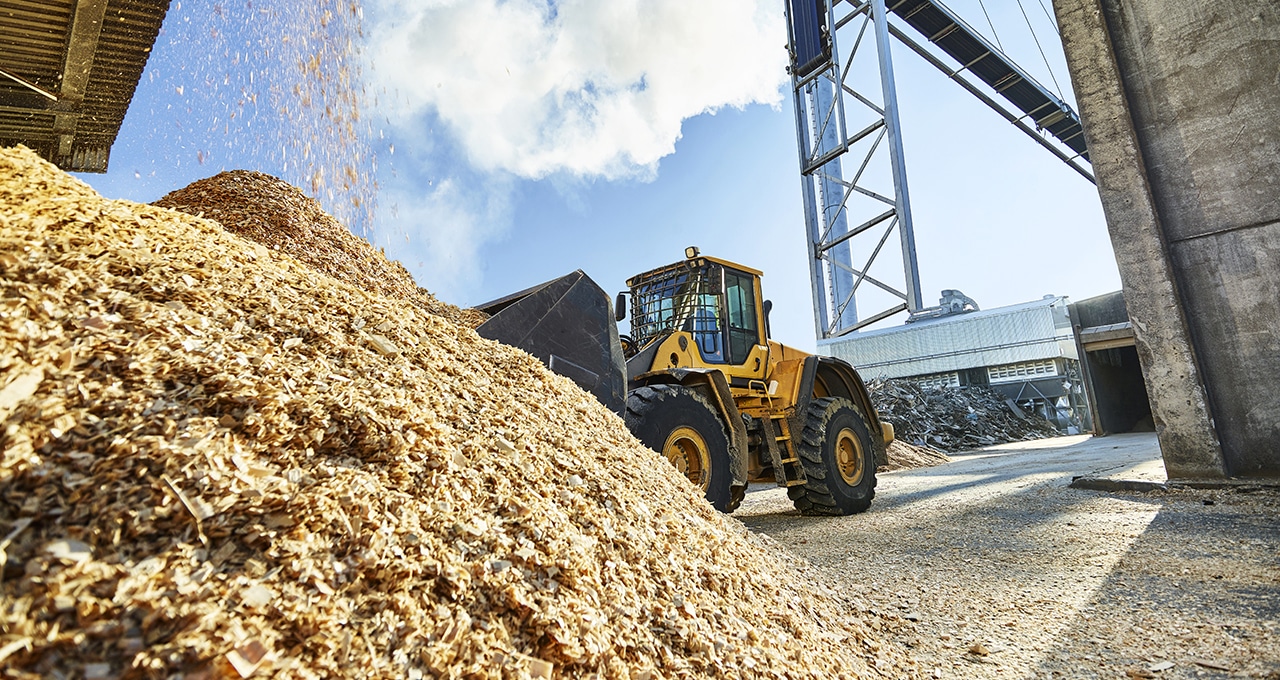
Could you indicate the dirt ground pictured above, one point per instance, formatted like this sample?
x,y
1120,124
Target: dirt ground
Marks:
x,y
991,567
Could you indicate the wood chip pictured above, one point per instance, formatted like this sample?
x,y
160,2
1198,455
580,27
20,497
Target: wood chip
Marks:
x,y
69,550
246,658
17,645
237,491
540,669
384,346
257,596
20,388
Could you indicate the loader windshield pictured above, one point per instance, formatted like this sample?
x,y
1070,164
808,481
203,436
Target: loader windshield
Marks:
x,y
680,297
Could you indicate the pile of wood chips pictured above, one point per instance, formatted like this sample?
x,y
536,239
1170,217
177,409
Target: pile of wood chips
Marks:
x,y
906,456
272,212
218,464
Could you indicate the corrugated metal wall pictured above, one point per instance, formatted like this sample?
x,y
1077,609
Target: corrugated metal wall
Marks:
x,y
1006,335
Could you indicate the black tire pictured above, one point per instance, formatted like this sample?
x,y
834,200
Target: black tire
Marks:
x,y
681,425
838,458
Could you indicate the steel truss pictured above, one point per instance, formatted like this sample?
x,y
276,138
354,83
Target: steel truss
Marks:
x,y
822,93
837,165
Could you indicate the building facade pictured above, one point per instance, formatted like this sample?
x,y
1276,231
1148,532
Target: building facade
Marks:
x,y
1027,352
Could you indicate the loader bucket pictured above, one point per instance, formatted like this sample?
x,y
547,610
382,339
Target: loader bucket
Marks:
x,y
567,323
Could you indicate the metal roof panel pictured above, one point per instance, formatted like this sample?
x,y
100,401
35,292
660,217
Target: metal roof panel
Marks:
x,y
88,55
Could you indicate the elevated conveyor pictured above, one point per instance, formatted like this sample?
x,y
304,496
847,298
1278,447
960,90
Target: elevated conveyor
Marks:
x,y
972,53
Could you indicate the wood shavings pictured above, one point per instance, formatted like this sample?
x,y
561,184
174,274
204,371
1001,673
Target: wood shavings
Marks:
x,y
904,456
20,388
372,525
198,513
274,214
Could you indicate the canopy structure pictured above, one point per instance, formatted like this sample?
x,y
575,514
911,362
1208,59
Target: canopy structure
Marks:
x,y
68,70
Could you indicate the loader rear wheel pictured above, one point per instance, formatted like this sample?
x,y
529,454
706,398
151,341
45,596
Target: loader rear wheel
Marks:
x,y
839,464
683,426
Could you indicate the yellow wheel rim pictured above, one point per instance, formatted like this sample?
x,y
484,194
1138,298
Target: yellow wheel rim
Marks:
x,y
849,457
687,451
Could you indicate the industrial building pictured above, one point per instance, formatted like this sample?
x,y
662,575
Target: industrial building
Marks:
x,y
1117,394
1027,352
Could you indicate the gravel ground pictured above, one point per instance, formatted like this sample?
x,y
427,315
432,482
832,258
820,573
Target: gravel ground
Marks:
x,y
990,567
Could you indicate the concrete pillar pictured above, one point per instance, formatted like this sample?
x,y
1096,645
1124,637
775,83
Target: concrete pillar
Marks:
x,y
1181,109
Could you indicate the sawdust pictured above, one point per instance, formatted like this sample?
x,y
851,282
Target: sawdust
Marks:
x,y
218,464
906,456
272,212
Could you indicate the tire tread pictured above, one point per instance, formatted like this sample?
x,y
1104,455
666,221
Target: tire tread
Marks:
x,y
815,497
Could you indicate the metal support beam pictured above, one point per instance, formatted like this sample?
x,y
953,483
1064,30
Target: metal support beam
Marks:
x,y
897,164
82,46
1071,160
824,94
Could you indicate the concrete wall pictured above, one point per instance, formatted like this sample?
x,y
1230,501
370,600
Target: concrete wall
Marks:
x,y
1181,110
1102,310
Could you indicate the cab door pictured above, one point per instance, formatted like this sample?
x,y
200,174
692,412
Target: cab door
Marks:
x,y
746,347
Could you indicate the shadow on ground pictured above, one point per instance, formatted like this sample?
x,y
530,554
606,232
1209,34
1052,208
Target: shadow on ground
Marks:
x,y
993,552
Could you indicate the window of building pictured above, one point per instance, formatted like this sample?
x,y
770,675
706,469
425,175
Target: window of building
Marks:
x,y
1022,371
938,380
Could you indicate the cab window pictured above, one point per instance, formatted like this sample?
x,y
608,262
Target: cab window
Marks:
x,y
740,299
706,328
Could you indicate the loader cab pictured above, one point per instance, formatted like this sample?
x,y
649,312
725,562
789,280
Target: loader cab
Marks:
x,y
715,301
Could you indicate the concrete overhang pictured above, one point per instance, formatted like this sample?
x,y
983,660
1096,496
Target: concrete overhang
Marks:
x,y
1110,336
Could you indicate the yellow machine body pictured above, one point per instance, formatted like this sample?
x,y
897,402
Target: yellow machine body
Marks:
x,y
703,323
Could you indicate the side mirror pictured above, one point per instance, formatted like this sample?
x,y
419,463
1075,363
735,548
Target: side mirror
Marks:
x,y
620,307
768,307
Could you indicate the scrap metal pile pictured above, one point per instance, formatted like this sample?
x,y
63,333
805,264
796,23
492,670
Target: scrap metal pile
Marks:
x,y
217,463
953,419
276,214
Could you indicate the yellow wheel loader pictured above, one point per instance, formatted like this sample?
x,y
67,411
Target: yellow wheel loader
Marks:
x,y
699,381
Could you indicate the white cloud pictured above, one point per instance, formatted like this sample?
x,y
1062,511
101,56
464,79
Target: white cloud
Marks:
x,y
590,88
437,231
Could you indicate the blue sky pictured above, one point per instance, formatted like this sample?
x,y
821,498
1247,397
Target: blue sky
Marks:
x,y
494,180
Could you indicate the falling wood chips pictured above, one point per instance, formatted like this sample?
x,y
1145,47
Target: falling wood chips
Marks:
x,y
225,478
270,211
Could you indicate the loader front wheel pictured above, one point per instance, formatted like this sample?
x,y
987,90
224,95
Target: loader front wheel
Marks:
x,y
683,426
839,464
